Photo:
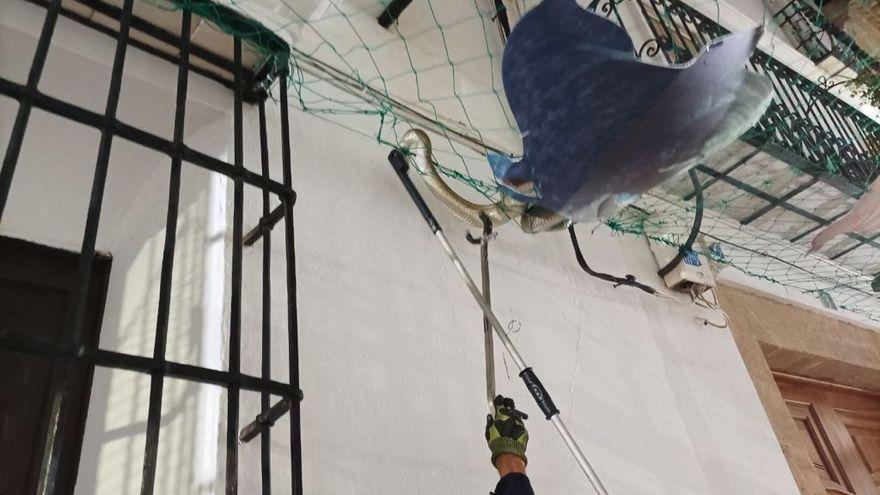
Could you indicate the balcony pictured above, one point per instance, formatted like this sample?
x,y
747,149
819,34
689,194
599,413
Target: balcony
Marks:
x,y
798,170
816,36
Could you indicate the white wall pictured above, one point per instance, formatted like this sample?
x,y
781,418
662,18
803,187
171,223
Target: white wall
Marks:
x,y
391,352
390,342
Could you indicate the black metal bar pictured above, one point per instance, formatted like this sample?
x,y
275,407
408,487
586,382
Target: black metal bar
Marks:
x,y
759,193
152,141
667,33
773,204
398,161
16,139
688,18
844,129
777,130
232,394
157,380
147,365
264,226
770,198
855,246
392,12
795,109
68,349
870,144
261,425
806,106
193,373
791,110
681,36
695,229
10,158
266,366
486,287
689,196
784,154
816,227
76,311
830,128
847,137
292,321
861,136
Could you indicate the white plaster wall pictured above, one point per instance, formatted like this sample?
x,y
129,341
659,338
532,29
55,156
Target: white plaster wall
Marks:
x,y
391,352
390,342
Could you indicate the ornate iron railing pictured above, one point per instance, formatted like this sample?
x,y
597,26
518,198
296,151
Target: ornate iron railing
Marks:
x,y
829,136
818,38
806,126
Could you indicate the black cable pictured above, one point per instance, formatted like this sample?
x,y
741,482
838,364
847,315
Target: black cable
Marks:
x,y
695,229
617,281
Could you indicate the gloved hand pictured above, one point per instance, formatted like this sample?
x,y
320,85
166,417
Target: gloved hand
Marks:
x,y
505,431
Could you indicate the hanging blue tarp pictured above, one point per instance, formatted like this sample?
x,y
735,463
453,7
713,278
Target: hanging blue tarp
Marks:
x,y
600,127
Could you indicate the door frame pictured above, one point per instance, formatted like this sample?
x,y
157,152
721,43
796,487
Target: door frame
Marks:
x,y
52,268
824,405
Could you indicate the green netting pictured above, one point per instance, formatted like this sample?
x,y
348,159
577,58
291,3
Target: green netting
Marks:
x,y
804,164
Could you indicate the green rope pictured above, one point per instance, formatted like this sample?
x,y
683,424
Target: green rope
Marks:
x,y
339,71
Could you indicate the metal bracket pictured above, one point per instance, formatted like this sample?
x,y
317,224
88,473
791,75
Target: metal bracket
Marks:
x,y
265,225
263,420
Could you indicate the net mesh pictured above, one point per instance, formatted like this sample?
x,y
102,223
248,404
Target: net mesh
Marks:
x,y
804,165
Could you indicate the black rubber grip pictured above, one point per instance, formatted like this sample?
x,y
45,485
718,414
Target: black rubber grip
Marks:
x,y
392,12
398,161
545,403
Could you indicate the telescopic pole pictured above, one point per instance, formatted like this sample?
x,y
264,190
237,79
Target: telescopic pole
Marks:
x,y
533,384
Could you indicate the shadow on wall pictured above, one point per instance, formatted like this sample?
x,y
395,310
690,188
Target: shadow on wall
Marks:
x,y
132,230
48,203
115,435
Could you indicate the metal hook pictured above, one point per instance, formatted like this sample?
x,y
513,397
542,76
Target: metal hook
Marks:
x,y
487,230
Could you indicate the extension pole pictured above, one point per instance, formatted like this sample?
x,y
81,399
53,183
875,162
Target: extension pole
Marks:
x,y
539,393
488,343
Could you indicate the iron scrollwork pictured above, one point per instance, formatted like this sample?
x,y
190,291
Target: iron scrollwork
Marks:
x,y
653,46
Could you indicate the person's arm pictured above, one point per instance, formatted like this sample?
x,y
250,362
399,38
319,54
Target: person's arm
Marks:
x,y
509,463
513,476
507,437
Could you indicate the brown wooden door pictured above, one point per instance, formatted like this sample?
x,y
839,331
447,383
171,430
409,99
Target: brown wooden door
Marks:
x,y
841,426
35,288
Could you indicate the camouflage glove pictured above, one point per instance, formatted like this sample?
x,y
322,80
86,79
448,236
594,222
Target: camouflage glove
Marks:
x,y
505,431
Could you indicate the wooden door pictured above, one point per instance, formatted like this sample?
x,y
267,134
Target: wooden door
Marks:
x,y
35,288
841,427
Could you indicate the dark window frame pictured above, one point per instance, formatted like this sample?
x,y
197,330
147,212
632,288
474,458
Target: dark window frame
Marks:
x,y
49,269
247,87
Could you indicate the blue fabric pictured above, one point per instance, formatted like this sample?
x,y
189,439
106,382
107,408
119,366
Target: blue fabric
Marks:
x,y
514,484
600,125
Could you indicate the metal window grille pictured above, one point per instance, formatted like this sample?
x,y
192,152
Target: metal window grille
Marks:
x,y
245,86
